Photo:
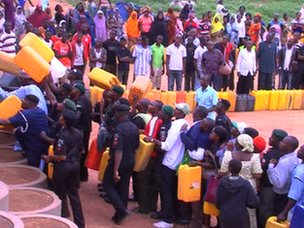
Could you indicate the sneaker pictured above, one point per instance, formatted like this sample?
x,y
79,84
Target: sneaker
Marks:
x,y
163,224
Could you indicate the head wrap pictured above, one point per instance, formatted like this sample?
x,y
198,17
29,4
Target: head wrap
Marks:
x,y
258,15
259,143
167,110
183,107
246,142
251,132
281,134
118,89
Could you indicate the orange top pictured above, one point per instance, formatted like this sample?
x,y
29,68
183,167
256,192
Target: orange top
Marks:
x,y
63,49
254,32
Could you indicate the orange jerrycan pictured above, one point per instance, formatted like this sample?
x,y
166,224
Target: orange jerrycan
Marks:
x,y
164,97
103,164
265,97
50,164
103,79
143,154
189,183
30,39
297,102
7,64
290,98
141,87
150,96
94,157
274,100
156,94
93,95
190,99
272,223
32,63
171,98
302,104
282,100
8,108
232,100
180,96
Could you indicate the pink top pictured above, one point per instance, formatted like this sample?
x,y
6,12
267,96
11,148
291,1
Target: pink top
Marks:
x,y
145,23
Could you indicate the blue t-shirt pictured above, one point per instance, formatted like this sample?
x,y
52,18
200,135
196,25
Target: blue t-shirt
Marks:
x,y
36,122
296,191
206,98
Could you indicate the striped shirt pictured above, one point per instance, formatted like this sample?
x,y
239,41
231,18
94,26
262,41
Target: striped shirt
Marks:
x,y
142,60
8,42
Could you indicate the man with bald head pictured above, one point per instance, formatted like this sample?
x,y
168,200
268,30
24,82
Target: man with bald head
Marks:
x,y
279,172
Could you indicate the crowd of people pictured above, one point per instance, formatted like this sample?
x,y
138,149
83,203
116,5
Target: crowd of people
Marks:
x,y
263,183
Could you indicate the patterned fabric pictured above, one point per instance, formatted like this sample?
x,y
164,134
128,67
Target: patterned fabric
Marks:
x,y
246,142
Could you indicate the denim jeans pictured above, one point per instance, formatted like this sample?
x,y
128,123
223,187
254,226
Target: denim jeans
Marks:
x,y
285,79
177,76
197,80
217,82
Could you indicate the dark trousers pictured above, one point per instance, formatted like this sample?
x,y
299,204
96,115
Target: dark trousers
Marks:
x,y
66,182
298,78
190,80
265,81
170,205
244,84
280,201
118,192
81,68
285,79
111,68
216,82
123,76
147,194
266,207
84,170
231,81
192,212
225,82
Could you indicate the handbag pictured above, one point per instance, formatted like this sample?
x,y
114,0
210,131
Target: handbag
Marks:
x,y
224,69
211,190
207,173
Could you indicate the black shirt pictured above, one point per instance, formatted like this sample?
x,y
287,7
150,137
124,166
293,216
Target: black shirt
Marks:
x,y
224,121
123,52
125,138
139,122
111,47
190,58
271,153
69,143
84,110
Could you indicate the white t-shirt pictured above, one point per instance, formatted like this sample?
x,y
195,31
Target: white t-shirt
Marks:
x,y
241,28
98,55
49,44
198,56
79,55
176,56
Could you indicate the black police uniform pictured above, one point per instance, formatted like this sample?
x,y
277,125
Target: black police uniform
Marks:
x,y
66,173
125,138
298,77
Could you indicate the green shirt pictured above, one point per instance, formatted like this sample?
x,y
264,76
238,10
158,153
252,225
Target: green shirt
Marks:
x,y
157,53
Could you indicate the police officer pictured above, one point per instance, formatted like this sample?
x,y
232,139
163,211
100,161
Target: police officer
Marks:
x,y
124,142
68,148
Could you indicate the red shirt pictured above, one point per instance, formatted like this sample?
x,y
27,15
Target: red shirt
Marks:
x,y
63,49
55,39
227,51
155,130
86,40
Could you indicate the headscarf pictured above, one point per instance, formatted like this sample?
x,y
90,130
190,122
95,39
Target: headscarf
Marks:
x,y
77,14
50,12
132,26
79,24
158,27
185,12
259,143
100,26
19,22
37,17
216,26
70,23
246,142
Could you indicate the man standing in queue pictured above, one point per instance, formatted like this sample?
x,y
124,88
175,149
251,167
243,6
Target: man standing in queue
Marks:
x,y
124,142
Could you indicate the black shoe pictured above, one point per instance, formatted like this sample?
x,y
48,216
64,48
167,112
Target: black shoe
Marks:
x,y
157,215
132,199
119,220
102,195
114,218
24,154
107,200
101,189
99,185
182,221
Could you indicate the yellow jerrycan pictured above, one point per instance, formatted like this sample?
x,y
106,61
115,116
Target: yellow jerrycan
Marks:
x,y
164,97
282,100
103,79
189,183
232,100
141,87
297,101
258,100
7,64
156,94
150,96
171,98
143,154
30,39
103,164
274,100
190,99
272,223
50,164
265,97
8,108
290,98
32,63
